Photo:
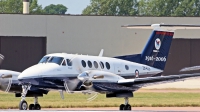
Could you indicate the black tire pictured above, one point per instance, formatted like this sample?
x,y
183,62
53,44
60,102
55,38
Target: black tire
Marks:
x,y
23,105
127,107
37,107
121,107
31,107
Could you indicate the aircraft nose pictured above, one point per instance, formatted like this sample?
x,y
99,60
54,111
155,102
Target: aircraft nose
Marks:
x,y
37,71
31,72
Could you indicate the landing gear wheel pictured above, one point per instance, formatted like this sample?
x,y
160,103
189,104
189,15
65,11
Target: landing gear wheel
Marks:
x,y
37,107
127,107
23,105
121,107
31,107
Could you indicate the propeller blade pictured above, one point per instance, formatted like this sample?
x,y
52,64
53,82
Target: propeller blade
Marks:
x,y
98,77
6,76
71,85
1,58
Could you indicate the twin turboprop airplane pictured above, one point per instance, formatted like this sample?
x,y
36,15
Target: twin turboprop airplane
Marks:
x,y
116,77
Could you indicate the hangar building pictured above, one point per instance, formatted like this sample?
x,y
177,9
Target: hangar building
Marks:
x,y
24,39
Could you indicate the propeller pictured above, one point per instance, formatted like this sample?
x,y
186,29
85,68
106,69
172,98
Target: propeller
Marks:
x,y
71,85
4,75
86,79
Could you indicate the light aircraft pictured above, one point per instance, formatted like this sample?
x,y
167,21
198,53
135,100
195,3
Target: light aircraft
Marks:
x,y
116,77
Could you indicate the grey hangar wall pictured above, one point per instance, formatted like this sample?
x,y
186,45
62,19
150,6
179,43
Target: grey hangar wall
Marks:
x,y
90,34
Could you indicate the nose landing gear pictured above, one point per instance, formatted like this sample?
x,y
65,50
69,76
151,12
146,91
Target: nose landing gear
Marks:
x,y
23,104
125,106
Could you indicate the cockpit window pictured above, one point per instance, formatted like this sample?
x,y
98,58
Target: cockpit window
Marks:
x,y
44,59
57,60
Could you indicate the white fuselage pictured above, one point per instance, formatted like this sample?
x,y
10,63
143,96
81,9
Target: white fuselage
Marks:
x,y
72,65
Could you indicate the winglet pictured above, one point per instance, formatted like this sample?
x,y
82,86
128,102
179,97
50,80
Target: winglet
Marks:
x,y
101,53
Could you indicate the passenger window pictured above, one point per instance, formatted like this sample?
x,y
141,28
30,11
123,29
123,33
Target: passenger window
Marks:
x,y
90,64
102,65
107,65
83,63
64,63
69,62
126,67
95,64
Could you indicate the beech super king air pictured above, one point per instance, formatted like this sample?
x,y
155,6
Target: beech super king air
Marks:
x,y
116,77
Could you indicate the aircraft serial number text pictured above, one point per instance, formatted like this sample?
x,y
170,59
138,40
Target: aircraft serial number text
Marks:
x,y
151,58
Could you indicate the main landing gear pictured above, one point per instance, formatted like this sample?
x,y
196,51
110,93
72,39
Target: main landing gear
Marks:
x,y
35,106
23,104
125,106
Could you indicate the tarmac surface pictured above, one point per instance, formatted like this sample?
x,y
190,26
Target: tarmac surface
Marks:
x,y
135,109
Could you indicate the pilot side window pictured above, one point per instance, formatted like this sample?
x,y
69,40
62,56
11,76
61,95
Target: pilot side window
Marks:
x,y
95,64
57,60
90,64
69,62
83,63
102,65
107,65
44,59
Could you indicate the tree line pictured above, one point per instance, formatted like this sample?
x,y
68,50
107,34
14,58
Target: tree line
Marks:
x,y
16,7
113,7
143,8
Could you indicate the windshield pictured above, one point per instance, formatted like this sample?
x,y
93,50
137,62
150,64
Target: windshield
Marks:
x,y
44,59
57,60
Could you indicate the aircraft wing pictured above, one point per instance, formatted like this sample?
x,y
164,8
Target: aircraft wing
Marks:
x,y
143,82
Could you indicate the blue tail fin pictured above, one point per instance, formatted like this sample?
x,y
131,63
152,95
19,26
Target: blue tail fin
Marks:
x,y
157,49
155,52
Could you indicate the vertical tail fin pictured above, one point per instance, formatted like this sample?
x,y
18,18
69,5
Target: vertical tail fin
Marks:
x,y
156,51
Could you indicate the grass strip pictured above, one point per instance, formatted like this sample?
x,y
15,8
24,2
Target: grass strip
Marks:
x,y
141,99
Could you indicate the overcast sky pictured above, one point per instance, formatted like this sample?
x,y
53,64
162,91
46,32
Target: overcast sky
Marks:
x,y
74,6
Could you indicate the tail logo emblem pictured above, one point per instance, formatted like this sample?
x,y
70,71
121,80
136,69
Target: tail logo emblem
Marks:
x,y
157,44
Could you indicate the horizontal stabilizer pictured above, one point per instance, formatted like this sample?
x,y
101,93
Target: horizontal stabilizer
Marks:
x,y
142,82
163,27
190,68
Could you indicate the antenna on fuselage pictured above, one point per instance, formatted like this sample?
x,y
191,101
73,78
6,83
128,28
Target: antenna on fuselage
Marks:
x,y
101,53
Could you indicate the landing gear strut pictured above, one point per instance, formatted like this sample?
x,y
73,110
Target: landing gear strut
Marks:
x,y
125,106
23,104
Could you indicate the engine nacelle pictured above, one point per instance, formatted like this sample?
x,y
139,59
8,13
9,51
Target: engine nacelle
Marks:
x,y
9,81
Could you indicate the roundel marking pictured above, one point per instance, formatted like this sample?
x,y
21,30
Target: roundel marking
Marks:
x,y
136,73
